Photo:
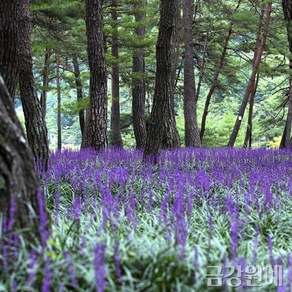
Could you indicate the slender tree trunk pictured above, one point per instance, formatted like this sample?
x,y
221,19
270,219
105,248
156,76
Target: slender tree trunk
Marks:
x,y
216,76
46,73
10,13
116,137
96,125
192,133
248,133
59,121
18,176
283,140
202,67
289,114
287,9
138,81
265,22
79,90
36,129
162,115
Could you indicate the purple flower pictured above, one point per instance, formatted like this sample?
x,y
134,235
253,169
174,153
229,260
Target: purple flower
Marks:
x,y
117,261
255,247
14,286
76,208
71,270
43,220
270,250
11,214
47,276
100,266
289,257
31,273
57,206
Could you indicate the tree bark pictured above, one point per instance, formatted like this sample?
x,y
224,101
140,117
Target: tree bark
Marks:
x,y
59,118
79,90
18,176
248,133
10,14
287,9
192,133
96,126
138,81
216,76
46,73
116,137
202,67
36,129
259,48
162,115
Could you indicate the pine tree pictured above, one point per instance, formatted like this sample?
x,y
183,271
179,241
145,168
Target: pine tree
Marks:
x,y
96,125
162,118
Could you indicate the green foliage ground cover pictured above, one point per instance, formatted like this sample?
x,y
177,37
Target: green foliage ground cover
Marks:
x,y
119,225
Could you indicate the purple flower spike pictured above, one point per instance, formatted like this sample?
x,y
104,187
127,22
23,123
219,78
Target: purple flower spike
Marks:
x,y
32,275
43,220
71,270
47,277
11,214
100,266
117,261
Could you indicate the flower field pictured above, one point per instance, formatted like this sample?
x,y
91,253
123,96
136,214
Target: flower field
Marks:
x,y
120,225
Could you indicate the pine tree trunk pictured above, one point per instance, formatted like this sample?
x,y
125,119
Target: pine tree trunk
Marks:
x,y
214,83
289,114
192,134
46,73
248,133
202,67
116,137
36,129
10,13
162,115
79,90
259,48
96,125
138,81
18,176
287,9
59,121
216,76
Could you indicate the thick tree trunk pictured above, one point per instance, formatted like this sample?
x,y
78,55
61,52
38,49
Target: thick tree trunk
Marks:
x,y
162,115
10,13
79,90
18,176
96,125
248,133
59,117
138,81
259,48
170,137
287,9
46,73
116,137
36,129
192,133
216,76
